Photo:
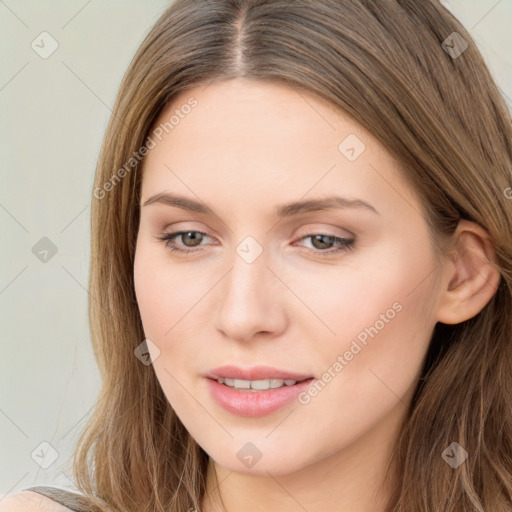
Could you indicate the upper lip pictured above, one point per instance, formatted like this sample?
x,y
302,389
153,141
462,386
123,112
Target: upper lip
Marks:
x,y
254,373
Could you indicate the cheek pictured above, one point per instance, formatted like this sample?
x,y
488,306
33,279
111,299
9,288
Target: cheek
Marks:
x,y
161,306
383,324
166,295
365,289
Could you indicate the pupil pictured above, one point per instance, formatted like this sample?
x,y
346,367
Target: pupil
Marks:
x,y
195,237
322,244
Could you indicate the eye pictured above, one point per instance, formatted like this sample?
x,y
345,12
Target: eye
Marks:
x,y
320,241
193,237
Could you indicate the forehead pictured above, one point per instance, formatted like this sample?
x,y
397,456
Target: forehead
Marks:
x,y
262,111
242,137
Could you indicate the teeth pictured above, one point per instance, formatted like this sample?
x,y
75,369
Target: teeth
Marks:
x,y
259,385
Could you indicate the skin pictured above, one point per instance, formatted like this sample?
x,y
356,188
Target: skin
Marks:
x,y
246,148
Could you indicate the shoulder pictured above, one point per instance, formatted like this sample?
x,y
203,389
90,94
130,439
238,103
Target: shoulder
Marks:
x,y
30,501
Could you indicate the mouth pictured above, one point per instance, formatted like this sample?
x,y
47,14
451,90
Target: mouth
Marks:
x,y
258,385
256,390
255,398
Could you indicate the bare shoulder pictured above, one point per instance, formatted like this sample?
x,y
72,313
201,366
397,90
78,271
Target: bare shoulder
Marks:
x,y
30,501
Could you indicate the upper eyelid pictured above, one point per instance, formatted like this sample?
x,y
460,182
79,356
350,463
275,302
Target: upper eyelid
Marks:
x,y
176,234
318,228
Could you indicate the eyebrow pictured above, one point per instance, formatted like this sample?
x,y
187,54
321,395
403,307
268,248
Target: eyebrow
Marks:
x,y
286,210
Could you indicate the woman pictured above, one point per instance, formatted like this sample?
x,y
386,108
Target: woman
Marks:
x,y
301,268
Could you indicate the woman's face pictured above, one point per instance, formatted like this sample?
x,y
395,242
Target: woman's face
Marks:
x,y
266,284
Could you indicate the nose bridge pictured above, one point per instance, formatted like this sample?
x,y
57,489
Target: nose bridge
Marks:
x,y
247,304
248,274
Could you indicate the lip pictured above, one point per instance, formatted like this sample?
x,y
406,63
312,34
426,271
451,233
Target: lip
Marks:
x,y
254,373
254,403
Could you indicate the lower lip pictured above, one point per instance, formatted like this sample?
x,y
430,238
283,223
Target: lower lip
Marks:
x,y
255,403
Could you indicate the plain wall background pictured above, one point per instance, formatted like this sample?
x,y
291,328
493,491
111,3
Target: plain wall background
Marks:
x,y
54,112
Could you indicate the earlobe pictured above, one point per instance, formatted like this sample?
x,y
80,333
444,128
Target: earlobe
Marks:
x,y
471,275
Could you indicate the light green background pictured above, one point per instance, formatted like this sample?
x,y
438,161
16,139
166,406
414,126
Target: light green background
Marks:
x,y
53,115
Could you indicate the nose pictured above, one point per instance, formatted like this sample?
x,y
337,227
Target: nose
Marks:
x,y
250,301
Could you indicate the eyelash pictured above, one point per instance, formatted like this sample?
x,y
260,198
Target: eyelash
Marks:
x,y
346,244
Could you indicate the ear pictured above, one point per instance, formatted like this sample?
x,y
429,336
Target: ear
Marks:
x,y
471,275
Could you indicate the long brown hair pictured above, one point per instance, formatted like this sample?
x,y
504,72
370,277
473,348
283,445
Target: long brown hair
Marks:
x,y
397,68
